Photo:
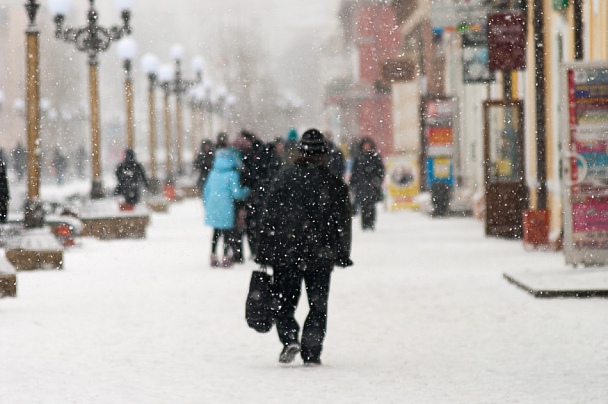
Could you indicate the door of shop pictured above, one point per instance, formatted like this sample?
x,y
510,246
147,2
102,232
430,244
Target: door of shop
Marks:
x,y
504,164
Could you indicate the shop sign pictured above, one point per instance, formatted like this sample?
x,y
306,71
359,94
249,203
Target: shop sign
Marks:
x,y
559,5
475,57
438,131
507,40
398,70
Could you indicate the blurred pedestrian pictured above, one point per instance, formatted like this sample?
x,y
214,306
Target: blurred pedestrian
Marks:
x,y
290,148
131,177
221,190
366,181
4,192
203,163
257,162
60,164
335,159
305,232
81,158
19,161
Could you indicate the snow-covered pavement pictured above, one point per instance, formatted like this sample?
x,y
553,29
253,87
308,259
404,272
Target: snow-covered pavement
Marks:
x,y
424,316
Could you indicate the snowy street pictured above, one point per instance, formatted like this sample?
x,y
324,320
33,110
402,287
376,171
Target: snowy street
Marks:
x,y
424,316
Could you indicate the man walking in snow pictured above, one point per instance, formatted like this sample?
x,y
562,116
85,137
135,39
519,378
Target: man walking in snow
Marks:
x,y
305,231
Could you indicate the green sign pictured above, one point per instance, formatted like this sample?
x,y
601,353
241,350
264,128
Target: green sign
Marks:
x,y
560,4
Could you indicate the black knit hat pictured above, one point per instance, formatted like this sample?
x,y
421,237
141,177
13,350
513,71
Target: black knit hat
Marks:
x,y
312,143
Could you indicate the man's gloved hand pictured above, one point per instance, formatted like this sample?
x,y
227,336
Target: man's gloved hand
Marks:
x,y
344,262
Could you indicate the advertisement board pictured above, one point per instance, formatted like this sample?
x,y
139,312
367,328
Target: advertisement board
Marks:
x,y
585,163
438,139
402,182
507,40
476,56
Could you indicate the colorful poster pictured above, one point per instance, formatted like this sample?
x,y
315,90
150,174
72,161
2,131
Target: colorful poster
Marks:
x,y
403,182
588,121
438,137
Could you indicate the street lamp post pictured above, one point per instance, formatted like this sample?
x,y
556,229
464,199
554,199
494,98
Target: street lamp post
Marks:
x,y
127,49
165,76
221,93
207,109
179,87
34,217
92,39
149,64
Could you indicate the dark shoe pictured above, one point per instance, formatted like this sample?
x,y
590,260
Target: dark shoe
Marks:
x,y
215,263
289,352
312,362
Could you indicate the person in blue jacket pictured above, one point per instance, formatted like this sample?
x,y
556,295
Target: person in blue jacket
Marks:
x,y
222,189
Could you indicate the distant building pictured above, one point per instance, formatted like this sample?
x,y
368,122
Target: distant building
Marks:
x,y
360,102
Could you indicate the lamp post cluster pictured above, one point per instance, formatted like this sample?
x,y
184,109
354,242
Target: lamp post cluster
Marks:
x,y
196,92
93,39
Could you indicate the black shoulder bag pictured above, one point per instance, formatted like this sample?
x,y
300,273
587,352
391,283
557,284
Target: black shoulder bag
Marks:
x,y
258,309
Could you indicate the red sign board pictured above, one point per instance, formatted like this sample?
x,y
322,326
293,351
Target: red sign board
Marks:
x,y
507,40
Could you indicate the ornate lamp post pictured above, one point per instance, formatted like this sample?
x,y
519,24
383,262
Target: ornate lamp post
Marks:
x,y
207,109
197,96
165,76
34,217
196,103
149,64
221,93
180,86
92,39
127,49
230,102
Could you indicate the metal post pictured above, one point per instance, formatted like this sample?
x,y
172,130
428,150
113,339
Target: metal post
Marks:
x,y
540,82
97,191
194,127
579,48
152,118
169,179
129,105
33,214
179,132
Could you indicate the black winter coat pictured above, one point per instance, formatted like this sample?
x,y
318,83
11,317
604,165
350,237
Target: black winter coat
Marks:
x,y
203,164
4,191
130,175
306,217
366,178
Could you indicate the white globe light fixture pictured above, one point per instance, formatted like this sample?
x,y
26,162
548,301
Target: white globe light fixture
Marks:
x,y
166,73
198,64
19,105
125,5
126,48
150,63
59,7
177,52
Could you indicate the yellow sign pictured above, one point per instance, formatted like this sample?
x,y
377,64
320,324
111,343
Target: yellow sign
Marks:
x,y
402,182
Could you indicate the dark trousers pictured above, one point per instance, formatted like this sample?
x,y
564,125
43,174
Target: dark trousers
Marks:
x,y
288,287
368,215
217,233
